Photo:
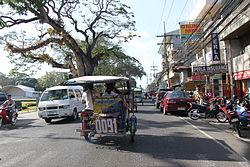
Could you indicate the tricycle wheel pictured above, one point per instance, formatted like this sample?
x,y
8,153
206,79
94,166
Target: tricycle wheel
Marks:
x,y
87,137
132,138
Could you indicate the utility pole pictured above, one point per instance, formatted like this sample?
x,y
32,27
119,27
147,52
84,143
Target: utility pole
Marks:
x,y
165,52
154,69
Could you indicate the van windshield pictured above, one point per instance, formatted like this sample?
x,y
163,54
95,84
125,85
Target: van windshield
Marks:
x,y
59,94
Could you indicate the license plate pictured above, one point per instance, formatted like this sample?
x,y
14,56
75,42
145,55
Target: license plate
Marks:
x,y
52,112
235,120
181,108
106,125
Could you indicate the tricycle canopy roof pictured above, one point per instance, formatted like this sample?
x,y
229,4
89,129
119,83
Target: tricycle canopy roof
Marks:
x,y
95,79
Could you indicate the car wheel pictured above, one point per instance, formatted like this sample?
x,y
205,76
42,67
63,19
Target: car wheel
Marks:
x,y
47,120
74,115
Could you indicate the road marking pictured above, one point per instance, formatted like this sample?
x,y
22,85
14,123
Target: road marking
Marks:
x,y
219,143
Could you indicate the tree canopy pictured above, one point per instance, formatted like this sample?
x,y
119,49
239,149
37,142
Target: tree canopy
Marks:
x,y
67,31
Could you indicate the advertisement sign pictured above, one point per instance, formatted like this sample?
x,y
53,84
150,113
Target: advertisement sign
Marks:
x,y
215,47
189,28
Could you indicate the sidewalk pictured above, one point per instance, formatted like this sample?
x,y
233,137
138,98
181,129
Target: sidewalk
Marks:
x,y
226,127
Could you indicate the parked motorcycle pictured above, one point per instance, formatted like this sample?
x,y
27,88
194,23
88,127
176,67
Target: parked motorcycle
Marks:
x,y
7,117
207,110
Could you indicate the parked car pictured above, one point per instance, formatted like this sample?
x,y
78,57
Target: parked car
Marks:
x,y
59,102
3,98
175,101
159,95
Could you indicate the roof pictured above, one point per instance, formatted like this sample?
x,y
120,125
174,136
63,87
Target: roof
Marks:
x,y
64,87
25,88
95,79
20,87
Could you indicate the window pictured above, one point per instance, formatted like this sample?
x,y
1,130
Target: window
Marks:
x,y
78,94
71,94
60,94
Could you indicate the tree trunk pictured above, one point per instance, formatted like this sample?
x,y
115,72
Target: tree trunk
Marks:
x,y
85,64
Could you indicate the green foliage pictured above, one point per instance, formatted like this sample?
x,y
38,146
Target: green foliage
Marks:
x,y
4,80
116,62
52,79
18,78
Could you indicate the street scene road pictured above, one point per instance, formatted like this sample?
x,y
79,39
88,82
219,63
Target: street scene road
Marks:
x,y
161,140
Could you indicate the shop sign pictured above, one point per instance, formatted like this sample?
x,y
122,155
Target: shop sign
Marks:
x,y
198,78
242,75
213,69
215,47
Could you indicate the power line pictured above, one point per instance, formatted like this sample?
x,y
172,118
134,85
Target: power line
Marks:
x,y
215,25
218,24
183,9
169,11
162,13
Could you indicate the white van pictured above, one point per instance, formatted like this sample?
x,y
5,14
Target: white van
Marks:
x,y
60,102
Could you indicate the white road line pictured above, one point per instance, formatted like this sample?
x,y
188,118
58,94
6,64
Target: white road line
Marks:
x,y
219,143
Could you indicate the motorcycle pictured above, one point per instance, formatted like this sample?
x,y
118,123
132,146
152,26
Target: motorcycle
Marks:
x,y
207,110
7,116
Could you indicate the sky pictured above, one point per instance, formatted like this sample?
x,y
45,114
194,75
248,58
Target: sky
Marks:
x,y
149,17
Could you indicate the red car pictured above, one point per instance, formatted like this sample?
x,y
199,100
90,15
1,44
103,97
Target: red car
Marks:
x,y
175,101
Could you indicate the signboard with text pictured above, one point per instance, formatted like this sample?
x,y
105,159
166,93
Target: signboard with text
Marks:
x,y
215,47
189,31
213,69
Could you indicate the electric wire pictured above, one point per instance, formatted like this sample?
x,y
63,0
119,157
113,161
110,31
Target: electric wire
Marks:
x,y
183,10
170,10
162,13
224,27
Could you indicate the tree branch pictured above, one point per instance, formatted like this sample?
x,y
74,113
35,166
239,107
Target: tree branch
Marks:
x,y
13,49
10,22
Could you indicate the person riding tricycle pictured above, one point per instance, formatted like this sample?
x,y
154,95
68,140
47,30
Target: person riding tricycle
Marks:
x,y
107,110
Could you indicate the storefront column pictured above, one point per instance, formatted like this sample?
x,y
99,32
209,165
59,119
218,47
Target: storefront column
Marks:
x,y
230,66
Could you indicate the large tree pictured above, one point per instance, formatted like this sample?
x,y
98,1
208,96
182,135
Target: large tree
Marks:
x,y
117,63
52,79
62,24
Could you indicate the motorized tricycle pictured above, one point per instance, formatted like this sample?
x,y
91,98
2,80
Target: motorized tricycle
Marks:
x,y
111,115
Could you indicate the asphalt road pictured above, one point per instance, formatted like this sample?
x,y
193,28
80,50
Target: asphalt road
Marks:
x,y
165,141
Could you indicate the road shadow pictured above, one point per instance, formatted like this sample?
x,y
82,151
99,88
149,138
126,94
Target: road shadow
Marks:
x,y
171,147
64,121
144,124
21,124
